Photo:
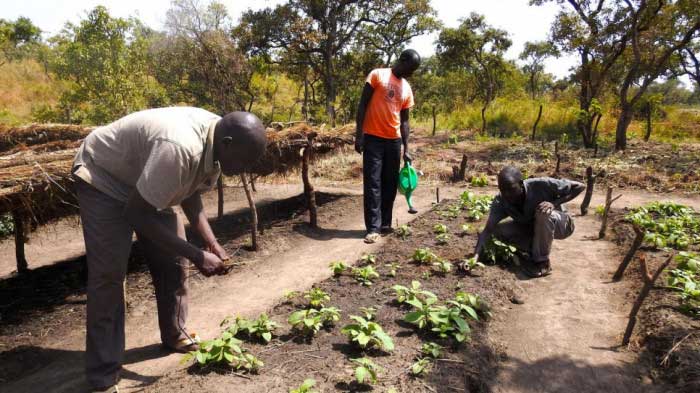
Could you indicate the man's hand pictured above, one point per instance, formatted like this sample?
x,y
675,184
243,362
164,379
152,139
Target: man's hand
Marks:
x,y
219,251
407,157
545,208
359,143
211,265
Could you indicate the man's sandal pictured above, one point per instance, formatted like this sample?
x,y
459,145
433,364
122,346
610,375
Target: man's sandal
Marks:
x,y
109,389
372,238
537,269
185,345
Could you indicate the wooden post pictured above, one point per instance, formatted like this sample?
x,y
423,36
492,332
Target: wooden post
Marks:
x,y
608,202
463,167
20,239
253,214
648,284
558,155
638,239
590,183
252,182
437,194
309,192
220,192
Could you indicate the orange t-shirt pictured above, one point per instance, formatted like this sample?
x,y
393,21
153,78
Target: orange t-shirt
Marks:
x,y
391,96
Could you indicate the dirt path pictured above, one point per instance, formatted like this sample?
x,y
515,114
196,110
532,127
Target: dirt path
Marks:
x,y
564,338
247,292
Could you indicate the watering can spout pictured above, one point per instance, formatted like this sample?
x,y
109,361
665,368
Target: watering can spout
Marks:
x,y
408,182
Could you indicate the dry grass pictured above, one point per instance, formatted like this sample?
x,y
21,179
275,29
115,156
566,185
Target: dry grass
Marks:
x,y
23,86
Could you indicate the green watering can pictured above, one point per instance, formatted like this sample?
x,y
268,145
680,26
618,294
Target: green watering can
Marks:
x,y
408,181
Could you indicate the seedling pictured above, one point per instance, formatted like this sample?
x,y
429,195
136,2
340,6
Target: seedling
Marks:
x,y
497,250
393,267
465,229
471,264
667,224
305,387
686,280
366,371
480,181
451,212
443,266
368,313
442,238
440,228
367,334
404,231
426,275
431,349
424,256
444,321
261,328
404,294
365,275
224,350
310,321
368,259
329,315
338,267
465,301
476,206
291,295
421,367
317,297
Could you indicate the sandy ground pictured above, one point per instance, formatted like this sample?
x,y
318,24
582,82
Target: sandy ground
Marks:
x,y
561,340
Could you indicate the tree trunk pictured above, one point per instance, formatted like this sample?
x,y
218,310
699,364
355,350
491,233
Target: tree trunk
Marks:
x,y
329,80
638,239
220,193
253,215
20,239
594,138
648,133
590,183
463,167
305,105
434,119
309,192
608,203
251,178
623,122
534,126
483,119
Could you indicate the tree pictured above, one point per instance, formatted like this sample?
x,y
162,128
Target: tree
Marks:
x,y
658,30
534,54
104,60
17,38
478,49
689,60
317,33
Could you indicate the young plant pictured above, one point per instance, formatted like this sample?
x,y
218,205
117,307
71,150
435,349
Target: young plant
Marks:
x,y
424,256
368,313
365,275
451,212
224,350
497,250
366,371
431,349
317,297
476,206
470,305
404,294
480,181
329,315
471,264
404,231
310,321
291,295
421,367
338,267
465,229
442,238
305,387
443,266
261,328
367,334
368,259
440,228
443,321
393,267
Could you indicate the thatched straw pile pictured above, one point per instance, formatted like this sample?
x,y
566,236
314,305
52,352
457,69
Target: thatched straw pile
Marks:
x,y
35,163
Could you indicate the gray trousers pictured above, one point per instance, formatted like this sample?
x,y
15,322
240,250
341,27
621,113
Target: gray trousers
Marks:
x,y
536,238
108,238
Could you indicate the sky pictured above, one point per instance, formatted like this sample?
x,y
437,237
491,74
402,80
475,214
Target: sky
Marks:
x,y
523,22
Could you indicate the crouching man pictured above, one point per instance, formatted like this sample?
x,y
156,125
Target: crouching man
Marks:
x,y
128,175
537,217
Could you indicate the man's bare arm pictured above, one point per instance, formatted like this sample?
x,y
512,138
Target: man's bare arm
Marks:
x,y
405,133
367,92
194,210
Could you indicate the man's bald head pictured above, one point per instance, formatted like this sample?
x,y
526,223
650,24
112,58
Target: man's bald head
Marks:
x,y
510,184
239,142
407,64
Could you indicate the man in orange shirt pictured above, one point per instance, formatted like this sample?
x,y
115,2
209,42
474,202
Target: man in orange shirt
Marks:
x,y
382,127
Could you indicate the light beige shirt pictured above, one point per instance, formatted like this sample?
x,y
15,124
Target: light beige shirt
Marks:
x,y
166,154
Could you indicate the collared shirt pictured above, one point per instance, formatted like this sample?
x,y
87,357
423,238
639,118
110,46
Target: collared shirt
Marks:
x,y
166,154
537,190
391,96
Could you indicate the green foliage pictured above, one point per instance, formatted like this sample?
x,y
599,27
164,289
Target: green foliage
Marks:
x,y
470,304
368,313
291,295
497,251
685,279
403,294
421,367
368,259
306,387
442,238
667,224
365,275
431,349
476,206
424,256
224,350
367,334
442,321
317,297
338,267
310,321
443,266
393,267
479,181
7,225
366,371
440,228
261,328
465,229
403,231
451,212
470,264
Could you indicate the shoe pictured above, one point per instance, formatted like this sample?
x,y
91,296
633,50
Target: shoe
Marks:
x,y
371,237
386,230
537,269
110,389
185,345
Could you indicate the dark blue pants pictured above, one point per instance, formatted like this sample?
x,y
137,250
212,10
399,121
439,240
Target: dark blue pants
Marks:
x,y
381,160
